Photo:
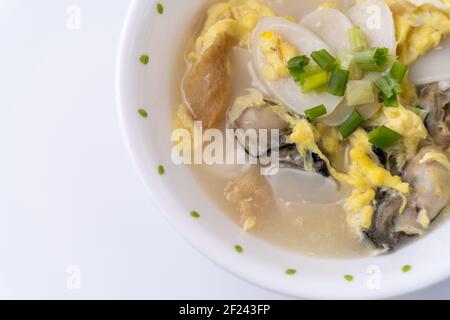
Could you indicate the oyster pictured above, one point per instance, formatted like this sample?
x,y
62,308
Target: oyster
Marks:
x,y
293,177
397,217
436,102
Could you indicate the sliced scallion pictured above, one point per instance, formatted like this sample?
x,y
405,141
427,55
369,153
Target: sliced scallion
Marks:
x,y
357,39
324,59
296,67
314,81
350,125
359,92
398,71
346,62
390,102
384,138
298,63
296,74
372,59
388,86
316,112
338,82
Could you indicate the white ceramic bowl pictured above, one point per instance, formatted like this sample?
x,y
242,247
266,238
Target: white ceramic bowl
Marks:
x,y
163,38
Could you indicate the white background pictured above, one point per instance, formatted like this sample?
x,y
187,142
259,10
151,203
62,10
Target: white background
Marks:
x,y
68,193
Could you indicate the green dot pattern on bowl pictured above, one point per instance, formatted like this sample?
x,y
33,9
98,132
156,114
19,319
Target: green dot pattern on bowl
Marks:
x,y
161,170
406,268
144,59
238,249
291,272
160,8
349,278
195,214
143,113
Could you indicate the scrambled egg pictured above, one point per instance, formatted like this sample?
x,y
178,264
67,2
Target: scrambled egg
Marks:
x,y
420,26
277,53
365,176
329,137
236,18
305,136
405,122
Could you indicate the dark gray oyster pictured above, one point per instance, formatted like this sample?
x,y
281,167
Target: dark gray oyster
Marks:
x,y
436,103
397,217
292,171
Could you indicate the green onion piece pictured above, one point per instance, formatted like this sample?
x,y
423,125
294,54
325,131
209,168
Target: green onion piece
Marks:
x,y
357,39
324,59
346,62
384,138
296,75
423,114
359,92
398,71
314,81
373,59
300,75
298,63
296,67
350,125
390,102
316,112
338,82
388,86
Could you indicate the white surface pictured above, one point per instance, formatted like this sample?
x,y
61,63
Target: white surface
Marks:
x,y
69,195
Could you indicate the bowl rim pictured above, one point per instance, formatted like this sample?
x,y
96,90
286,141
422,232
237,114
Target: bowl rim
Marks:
x,y
120,65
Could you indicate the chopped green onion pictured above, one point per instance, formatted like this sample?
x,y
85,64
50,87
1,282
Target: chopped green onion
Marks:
x,y
373,59
423,114
384,138
350,125
398,71
338,82
314,81
390,102
296,74
298,63
388,86
316,112
357,39
324,59
346,62
359,92
296,67
300,75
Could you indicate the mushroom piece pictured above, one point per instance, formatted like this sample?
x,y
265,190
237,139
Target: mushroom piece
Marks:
x,y
206,87
428,175
435,102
